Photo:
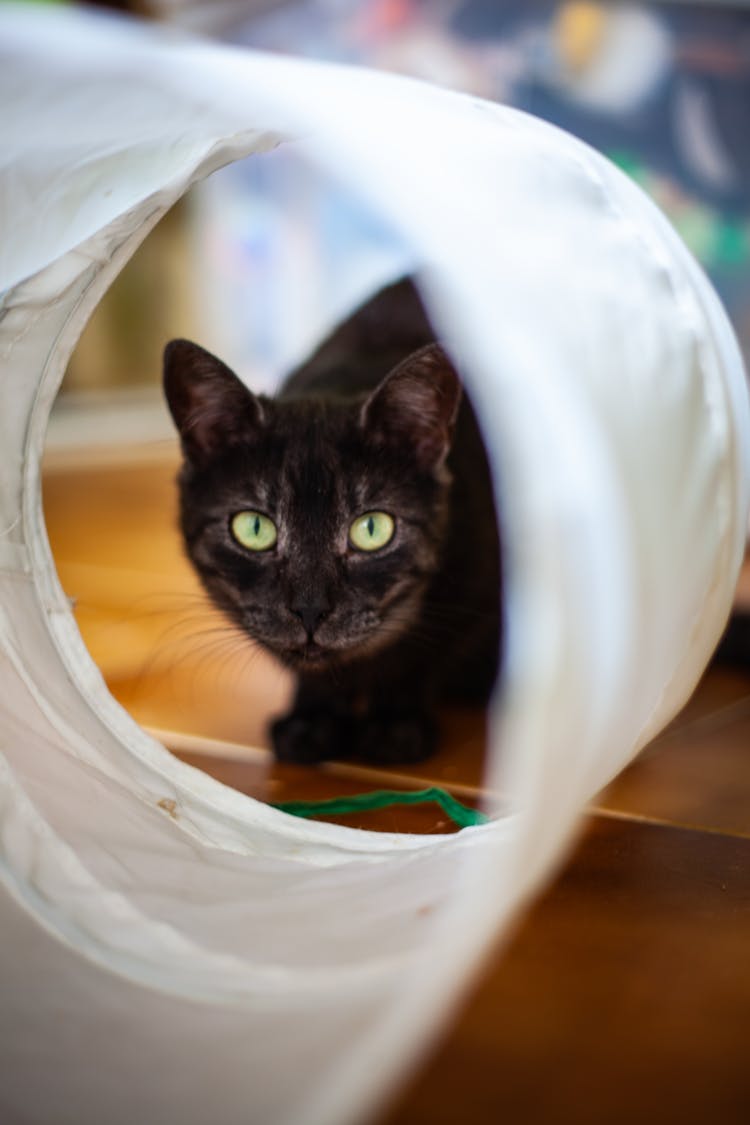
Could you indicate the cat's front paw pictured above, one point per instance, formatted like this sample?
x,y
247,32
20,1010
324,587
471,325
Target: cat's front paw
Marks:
x,y
303,738
399,738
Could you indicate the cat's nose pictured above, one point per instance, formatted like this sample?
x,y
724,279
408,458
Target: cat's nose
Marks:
x,y
310,614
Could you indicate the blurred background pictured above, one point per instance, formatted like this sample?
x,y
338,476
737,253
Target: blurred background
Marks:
x,y
258,261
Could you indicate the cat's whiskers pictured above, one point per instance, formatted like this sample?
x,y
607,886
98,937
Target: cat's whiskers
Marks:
x,y
217,659
176,645
227,657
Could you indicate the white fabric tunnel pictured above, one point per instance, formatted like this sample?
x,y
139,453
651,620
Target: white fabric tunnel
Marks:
x,y
230,963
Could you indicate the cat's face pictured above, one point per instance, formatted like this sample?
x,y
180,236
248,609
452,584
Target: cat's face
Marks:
x,y
314,525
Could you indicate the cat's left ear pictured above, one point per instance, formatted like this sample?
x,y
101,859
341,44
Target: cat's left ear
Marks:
x,y
417,403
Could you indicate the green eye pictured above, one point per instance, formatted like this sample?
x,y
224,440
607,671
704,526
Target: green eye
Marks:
x,y
254,531
372,531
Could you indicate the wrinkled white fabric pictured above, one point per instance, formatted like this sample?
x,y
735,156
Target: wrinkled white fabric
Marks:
x,y
228,962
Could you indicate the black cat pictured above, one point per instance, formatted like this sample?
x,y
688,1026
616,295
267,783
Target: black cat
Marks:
x,y
348,525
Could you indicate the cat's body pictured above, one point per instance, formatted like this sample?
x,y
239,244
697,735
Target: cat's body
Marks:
x,y
348,525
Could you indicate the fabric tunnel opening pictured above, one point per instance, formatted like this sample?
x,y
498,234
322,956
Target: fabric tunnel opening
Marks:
x,y
250,265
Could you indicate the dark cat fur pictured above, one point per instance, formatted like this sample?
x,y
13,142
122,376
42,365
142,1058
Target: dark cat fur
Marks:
x,y
371,422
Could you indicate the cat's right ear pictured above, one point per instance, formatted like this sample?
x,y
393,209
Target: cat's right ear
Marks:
x,y
210,406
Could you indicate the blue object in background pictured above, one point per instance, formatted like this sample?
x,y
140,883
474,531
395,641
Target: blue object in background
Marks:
x,y
663,89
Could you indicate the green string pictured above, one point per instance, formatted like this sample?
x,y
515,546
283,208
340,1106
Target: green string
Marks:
x,y
461,815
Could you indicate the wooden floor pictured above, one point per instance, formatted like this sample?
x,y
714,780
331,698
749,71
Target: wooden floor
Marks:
x,y
625,994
